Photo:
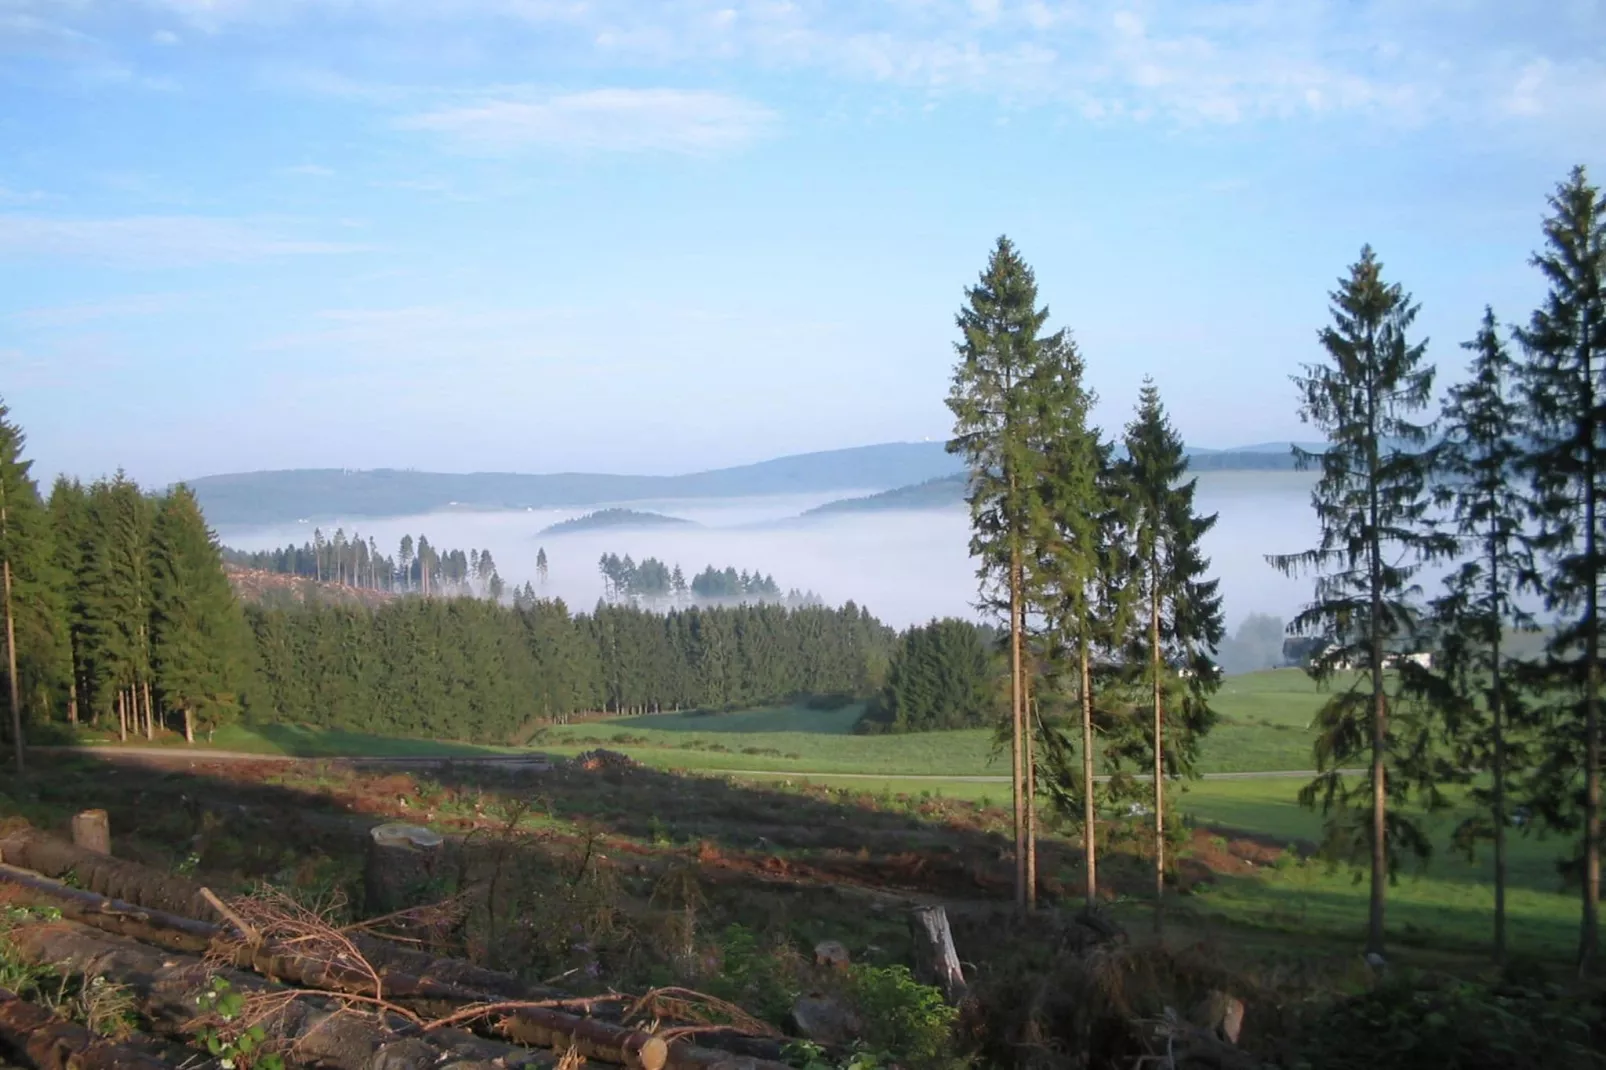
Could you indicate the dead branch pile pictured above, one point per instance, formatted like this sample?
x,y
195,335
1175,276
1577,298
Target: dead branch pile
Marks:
x,y
347,973
308,1029
603,760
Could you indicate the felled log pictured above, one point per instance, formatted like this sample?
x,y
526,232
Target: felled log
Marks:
x,y
936,962
33,1036
92,831
425,994
413,979
133,883
316,1032
111,915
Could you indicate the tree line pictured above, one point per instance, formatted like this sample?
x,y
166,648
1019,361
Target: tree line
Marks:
x,y
1091,564
653,583
472,669
417,567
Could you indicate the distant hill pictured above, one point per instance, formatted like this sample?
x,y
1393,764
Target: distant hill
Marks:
x,y
932,494
614,518
287,496
945,491
281,497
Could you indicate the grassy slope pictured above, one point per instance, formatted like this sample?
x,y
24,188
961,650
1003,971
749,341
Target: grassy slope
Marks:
x,y
1264,727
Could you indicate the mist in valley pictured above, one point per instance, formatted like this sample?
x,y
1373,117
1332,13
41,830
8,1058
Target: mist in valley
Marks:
x,y
906,567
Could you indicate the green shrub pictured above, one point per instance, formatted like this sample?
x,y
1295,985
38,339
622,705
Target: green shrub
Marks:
x,y
903,1018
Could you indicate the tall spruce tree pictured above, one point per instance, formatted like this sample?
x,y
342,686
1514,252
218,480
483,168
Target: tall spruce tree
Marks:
x,y
1372,503
196,628
24,572
69,516
1073,574
1478,458
1000,349
1178,607
1565,359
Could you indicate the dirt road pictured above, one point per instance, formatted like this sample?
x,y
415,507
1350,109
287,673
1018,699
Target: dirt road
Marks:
x,y
177,755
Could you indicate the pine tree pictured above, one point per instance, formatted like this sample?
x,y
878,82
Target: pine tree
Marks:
x,y
404,560
1179,607
541,570
69,517
1565,358
1000,349
25,594
1372,504
1478,455
1076,575
195,624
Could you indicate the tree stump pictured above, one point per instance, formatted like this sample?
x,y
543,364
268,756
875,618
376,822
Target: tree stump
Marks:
x,y
403,861
92,831
936,962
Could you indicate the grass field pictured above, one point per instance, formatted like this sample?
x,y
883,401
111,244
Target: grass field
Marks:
x,y
1264,726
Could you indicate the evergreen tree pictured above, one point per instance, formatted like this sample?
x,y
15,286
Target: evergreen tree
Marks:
x,y
1075,574
25,594
541,569
1478,456
1372,504
69,517
1180,608
195,624
1565,359
1000,349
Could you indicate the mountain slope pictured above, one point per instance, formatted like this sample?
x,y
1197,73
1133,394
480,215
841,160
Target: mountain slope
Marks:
x,y
260,498
932,494
286,496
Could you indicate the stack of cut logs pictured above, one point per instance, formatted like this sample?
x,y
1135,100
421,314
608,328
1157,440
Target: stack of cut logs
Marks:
x,y
165,940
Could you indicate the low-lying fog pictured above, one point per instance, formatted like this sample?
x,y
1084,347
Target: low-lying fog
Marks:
x,y
906,567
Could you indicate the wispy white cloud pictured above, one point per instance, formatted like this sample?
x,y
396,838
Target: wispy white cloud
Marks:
x,y
1225,61
626,120
138,241
91,311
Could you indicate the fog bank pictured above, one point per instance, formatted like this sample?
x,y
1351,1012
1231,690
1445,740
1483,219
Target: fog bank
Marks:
x,y
905,566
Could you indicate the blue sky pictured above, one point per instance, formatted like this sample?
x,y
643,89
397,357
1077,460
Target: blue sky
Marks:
x,y
661,235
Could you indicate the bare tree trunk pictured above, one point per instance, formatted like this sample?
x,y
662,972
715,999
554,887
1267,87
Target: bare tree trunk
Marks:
x,y
1380,857
11,666
72,694
122,717
1017,770
1090,835
1497,700
1589,930
189,726
150,712
1031,804
1159,751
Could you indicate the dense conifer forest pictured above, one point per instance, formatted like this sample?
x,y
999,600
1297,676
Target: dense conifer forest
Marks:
x,y
124,619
